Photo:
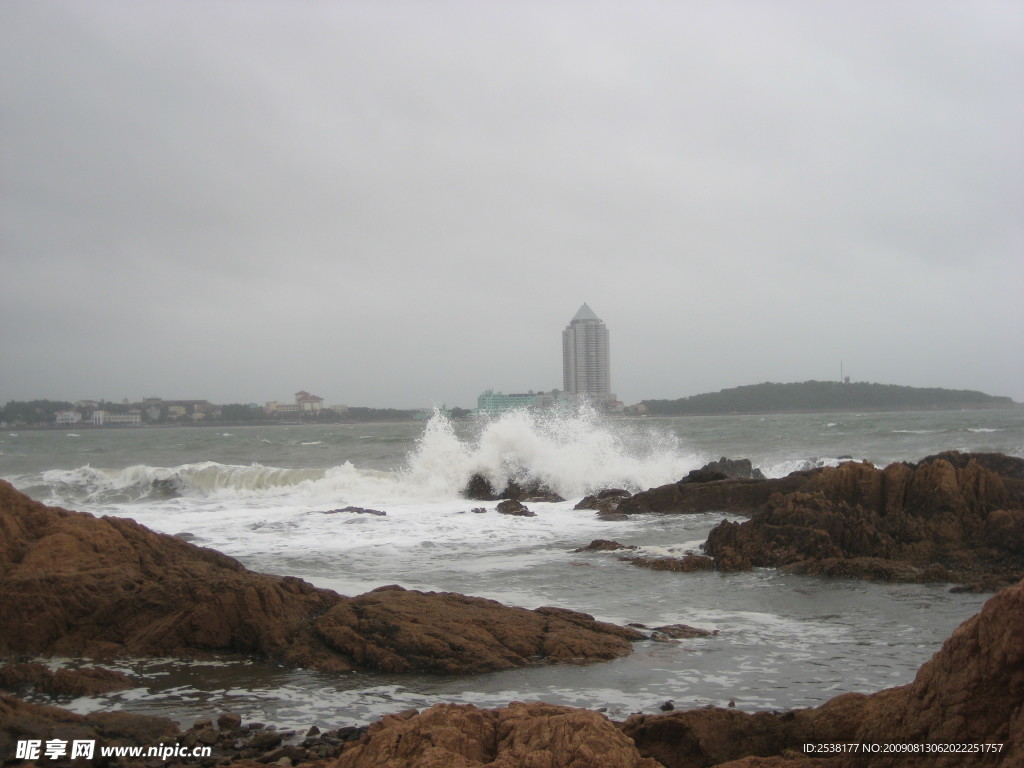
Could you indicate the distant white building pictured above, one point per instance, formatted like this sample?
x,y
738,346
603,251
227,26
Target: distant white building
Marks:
x,y
308,403
67,418
101,418
586,366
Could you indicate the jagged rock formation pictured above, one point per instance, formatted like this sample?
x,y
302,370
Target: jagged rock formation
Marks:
x,y
480,488
971,692
77,585
399,630
934,521
517,736
951,517
692,495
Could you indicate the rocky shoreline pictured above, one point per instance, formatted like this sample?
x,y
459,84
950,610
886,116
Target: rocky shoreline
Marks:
x,y
76,585
967,702
956,518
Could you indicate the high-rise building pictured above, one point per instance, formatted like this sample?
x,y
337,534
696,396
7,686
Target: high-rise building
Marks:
x,y
585,365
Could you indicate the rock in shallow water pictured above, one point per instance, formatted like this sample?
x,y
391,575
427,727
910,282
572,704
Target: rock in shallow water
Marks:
x,y
934,521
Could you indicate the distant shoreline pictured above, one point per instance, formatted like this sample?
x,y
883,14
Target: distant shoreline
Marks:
x,y
85,426
825,397
889,409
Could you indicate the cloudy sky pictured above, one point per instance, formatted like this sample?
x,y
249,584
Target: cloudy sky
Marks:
x,y
396,204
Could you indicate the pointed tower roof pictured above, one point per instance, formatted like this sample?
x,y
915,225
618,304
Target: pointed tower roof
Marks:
x,y
585,313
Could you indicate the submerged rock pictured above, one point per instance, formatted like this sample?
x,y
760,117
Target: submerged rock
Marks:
x,y
77,585
86,681
689,563
604,545
353,510
480,488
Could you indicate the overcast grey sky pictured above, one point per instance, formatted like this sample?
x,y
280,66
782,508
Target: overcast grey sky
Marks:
x,y
396,204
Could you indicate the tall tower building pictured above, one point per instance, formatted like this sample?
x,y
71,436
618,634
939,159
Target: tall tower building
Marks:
x,y
585,366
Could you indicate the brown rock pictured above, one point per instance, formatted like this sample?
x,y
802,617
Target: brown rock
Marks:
x,y
517,736
743,496
229,721
398,630
971,692
354,510
87,681
516,508
933,521
684,631
686,564
724,469
76,585
705,737
21,720
605,502
603,545
480,488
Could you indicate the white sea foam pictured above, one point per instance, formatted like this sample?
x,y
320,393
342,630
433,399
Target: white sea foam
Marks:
x,y
572,453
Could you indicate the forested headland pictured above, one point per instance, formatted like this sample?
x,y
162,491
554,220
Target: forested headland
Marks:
x,y
824,396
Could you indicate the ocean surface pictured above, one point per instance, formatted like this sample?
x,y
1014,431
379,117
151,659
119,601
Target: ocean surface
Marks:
x,y
259,494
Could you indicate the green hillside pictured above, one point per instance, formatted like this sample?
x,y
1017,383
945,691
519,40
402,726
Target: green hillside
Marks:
x,y
824,396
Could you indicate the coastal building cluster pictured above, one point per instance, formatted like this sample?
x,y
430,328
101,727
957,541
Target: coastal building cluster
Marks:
x,y
156,410
586,376
586,372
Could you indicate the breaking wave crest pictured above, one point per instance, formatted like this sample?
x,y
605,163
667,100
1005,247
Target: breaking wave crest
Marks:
x,y
145,483
572,452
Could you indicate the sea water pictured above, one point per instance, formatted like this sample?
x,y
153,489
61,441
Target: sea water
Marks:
x,y
265,495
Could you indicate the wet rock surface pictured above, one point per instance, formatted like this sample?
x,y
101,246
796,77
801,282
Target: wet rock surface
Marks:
x,y
970,693
480,488
531,735
77,585
514,508
933,521
399,630
952,517
23,721
29,677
